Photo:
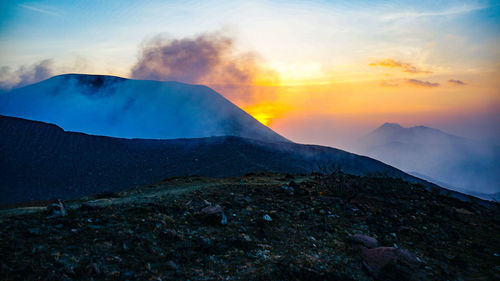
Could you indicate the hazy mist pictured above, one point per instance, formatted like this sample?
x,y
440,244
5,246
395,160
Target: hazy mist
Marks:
x,y
455,162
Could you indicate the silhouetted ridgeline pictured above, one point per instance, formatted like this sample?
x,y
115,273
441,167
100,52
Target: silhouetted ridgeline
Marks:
x,y
40,161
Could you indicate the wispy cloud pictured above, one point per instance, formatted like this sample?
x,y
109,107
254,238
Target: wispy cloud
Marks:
x,y
42,10
420,83
457,82
405,67
448,12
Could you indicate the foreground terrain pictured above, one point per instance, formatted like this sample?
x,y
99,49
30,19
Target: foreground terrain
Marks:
x,y
259,227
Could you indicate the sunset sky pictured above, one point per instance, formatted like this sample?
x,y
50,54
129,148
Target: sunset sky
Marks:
x,y
317,71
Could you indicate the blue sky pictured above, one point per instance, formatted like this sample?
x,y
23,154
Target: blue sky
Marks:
x,y
311,31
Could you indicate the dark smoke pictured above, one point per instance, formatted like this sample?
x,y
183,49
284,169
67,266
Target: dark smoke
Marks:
x,y
208,59
25,75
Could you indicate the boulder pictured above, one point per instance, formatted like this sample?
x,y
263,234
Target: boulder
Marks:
x,y
389,263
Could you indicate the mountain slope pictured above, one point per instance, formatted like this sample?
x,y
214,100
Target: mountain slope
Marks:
x,y
119,107
40,161
465,165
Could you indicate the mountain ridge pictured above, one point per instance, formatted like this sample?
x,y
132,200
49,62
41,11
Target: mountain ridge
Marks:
x,y
41,161
458,162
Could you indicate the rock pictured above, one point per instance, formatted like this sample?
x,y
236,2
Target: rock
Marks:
x,y
496,269
287,189
93,268
214,214
223,220
245,237
67,263
107,194
34,231
293,184
171,265
363,240
240,242
266,217
95,205
206,243
126,275
462,211
301,191
170,234
258,254
388,263
212,210
65,277
56,210
458,261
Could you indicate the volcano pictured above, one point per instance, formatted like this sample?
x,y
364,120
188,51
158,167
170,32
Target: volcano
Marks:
x,y
125,108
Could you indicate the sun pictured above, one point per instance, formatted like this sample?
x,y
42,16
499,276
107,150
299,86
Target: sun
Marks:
x,y
263,118
264,113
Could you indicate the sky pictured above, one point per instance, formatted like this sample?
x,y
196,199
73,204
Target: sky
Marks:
x,y
324,72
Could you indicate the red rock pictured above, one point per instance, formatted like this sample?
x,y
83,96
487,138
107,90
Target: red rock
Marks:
x,y
363,240
212,210
377,258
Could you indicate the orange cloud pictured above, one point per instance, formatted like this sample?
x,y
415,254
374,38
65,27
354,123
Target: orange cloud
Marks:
x,y
405,67
410,82
421,83
456,82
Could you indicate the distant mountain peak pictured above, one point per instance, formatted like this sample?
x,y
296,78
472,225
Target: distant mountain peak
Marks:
x,y
389,128
448,159
395,127
394,131
391,125
429,130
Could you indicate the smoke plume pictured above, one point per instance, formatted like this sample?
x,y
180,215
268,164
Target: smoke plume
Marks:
x,y
209,59
25,75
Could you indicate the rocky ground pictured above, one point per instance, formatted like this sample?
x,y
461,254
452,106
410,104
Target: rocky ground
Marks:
x,y
257,227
